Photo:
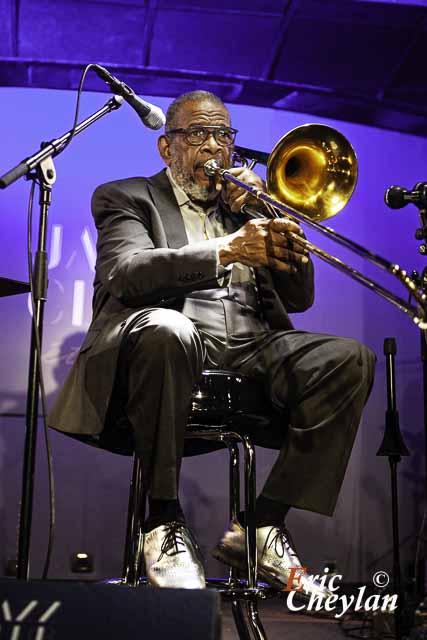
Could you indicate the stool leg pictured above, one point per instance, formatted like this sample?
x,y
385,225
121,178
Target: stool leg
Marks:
x,y
240,621
136,515
255,622
234,488
251,549
233,450
236,606
250,497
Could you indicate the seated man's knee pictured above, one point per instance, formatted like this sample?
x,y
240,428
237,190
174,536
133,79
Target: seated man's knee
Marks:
x,y
358,360
168,324
168,332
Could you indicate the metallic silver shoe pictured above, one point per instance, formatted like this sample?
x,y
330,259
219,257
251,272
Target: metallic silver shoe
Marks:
x,y
172,558
276,556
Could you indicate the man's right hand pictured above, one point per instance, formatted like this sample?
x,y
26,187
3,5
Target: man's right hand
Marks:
x,y
264,243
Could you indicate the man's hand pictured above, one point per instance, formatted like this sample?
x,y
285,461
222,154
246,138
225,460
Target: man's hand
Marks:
x,y
235,197
264,243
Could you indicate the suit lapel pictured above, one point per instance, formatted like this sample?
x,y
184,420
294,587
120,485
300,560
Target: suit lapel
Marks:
x,y
163,197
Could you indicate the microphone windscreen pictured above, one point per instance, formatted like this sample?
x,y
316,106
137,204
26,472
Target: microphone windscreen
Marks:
x,y
155,119
395,197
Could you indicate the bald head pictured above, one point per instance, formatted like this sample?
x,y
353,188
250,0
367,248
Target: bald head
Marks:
x,y
179,104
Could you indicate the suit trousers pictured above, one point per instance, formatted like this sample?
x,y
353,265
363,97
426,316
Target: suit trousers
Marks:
x,y
320,382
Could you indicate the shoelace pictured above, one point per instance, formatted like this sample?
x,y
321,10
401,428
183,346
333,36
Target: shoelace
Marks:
x,y
172,539
282,542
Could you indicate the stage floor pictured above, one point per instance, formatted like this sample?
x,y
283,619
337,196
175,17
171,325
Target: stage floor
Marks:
x,y
280,623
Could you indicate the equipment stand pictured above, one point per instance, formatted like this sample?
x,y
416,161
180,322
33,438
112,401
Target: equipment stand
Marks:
x,y
394,448
46,176
421,281
397,197
39,167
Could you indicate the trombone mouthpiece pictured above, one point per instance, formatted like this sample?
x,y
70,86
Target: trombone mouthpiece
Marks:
x,y
211,168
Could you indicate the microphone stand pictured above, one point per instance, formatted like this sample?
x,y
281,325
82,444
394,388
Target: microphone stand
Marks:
x,y
421,281
396,198
40,168
394,448
421,234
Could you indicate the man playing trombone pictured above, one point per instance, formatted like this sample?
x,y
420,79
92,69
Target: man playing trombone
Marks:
x,y
186,281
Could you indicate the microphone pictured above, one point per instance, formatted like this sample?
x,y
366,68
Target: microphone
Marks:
x,y
397,197
151,116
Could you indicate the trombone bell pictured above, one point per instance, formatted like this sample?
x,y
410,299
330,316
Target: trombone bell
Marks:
x,y
313,169
311,175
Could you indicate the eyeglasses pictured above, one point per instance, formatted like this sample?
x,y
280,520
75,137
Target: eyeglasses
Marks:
x,y
196,136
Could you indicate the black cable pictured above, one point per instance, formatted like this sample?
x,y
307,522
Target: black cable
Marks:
x,y
420,541
52,512
76,113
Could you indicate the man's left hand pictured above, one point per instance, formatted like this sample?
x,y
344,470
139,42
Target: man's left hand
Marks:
x,y
235,197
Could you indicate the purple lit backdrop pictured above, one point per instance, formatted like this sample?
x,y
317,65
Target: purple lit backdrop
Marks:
x,y
92,485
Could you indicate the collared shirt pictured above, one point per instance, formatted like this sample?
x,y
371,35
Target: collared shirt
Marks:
x,y
205,224
233,308
200,223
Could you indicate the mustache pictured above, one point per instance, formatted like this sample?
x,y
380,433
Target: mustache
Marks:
x,y
201,163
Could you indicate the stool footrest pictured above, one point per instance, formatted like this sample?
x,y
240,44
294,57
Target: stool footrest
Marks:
x,y
236,590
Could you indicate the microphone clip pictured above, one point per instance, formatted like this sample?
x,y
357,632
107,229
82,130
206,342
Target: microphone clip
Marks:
x,y
397,197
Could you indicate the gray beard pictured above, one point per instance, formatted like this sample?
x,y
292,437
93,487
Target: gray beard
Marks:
x,y
197,192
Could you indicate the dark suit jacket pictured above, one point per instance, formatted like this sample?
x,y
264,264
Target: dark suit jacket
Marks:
x,y
143,259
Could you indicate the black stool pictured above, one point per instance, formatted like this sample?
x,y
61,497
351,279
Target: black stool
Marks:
x,y
226,408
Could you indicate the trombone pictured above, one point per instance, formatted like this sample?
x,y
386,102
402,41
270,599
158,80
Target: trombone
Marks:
x,y
311,175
